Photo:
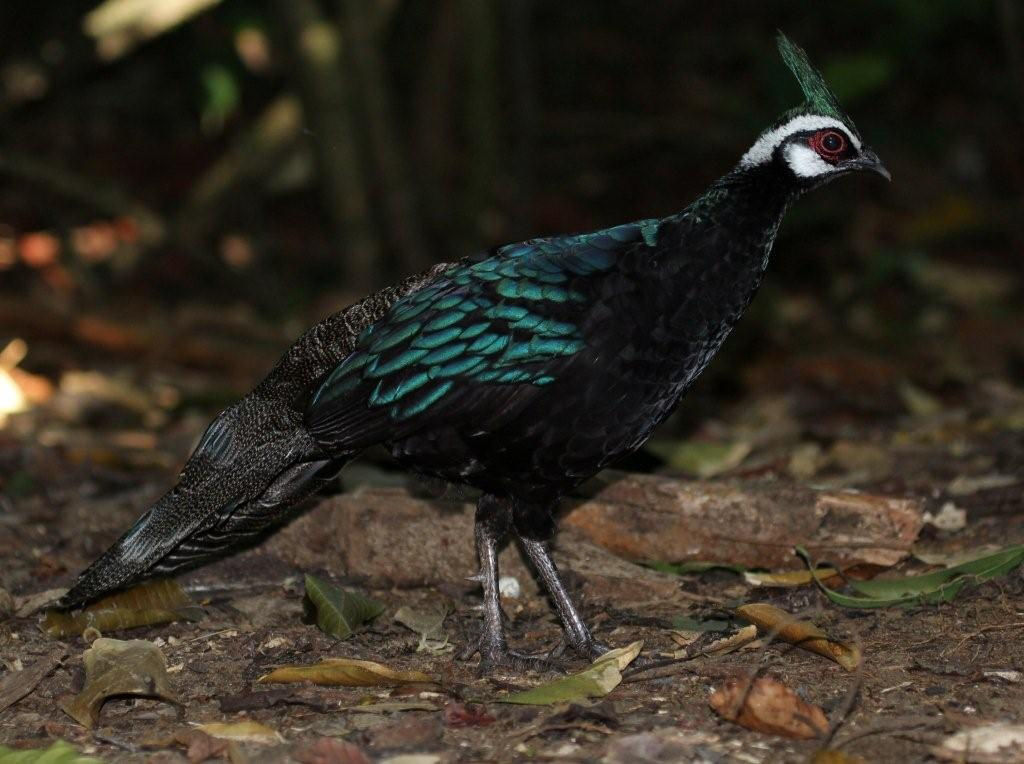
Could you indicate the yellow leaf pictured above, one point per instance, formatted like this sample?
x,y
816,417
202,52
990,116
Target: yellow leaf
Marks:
x,y
346,672
789,577
246,731
803,634
154,602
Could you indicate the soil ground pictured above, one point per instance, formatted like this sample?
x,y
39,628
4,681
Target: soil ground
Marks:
x,y
929,671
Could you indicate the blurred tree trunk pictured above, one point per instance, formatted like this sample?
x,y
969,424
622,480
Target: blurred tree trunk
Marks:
x,y
518,16
432,135
316,50
402,213
253,156
480,40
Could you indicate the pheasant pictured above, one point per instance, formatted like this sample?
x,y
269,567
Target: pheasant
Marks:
x,y
520,371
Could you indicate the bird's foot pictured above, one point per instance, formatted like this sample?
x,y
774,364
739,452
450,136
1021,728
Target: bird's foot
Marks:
x,y
498,658
591,650
496,661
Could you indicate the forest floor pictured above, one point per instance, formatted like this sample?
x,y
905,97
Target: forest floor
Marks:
x,y
97,447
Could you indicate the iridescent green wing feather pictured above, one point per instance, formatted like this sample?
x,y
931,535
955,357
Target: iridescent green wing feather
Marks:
x,y
511,319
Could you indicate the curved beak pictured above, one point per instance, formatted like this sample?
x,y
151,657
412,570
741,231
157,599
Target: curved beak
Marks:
x,y
868,160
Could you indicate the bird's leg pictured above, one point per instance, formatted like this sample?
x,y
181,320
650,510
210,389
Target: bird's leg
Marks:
x,y
576,632
493,520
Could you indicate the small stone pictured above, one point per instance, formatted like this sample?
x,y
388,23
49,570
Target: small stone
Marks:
x,y
508,586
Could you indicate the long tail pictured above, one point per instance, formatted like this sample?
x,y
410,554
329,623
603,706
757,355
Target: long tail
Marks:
x,y
164,542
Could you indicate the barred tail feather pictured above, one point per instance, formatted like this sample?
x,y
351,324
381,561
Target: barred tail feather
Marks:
x,y
162,542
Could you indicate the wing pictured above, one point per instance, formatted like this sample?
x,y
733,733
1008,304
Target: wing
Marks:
x,y
487,335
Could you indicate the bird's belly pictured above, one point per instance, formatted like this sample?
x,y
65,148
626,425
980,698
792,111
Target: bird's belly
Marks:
x,y
564,435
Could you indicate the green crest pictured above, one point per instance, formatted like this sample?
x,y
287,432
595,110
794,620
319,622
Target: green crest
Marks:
x,y
819,98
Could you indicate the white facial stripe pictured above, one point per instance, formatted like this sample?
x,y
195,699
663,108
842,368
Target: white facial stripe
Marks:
x,y
765,146
805,162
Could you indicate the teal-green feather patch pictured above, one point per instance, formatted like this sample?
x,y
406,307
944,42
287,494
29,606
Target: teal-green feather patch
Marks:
x,y
408,311
426,401
550,327
445,319
551,346
400,361
474,331
514,375
435,340
461,366
553,293
386,393
445,353
526,323
489,344
447,302
506,312
389,339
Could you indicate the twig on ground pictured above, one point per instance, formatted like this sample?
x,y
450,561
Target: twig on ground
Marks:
x,y
985,630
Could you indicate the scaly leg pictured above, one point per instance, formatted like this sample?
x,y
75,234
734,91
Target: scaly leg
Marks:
x,y
493,520
576,632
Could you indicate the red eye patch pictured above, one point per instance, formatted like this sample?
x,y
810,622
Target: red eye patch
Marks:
x,y
828,144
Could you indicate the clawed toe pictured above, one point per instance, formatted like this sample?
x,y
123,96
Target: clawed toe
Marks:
x,y
498,659
493,661
591,650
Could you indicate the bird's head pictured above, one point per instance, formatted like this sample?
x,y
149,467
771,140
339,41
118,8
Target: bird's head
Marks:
x,y
816,141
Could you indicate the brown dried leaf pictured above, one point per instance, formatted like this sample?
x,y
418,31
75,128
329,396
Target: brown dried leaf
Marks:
x,y
768,706
198,745
161,601
803,634
346,672
460,715
328,750
119,667
18,684
722,646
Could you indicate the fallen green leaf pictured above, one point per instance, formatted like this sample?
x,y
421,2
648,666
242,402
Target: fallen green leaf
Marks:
x,y
596,681
58,753
338,612
429,624
702,459
929,588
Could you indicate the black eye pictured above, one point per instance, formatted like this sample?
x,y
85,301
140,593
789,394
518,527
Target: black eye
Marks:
x,y
832,142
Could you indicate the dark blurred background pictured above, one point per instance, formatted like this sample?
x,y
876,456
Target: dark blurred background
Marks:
x,y
187,184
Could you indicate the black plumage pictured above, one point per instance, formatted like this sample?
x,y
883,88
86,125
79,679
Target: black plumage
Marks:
x,y
521,371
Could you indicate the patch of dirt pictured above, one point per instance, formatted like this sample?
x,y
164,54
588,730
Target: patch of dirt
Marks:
x,y
928,671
